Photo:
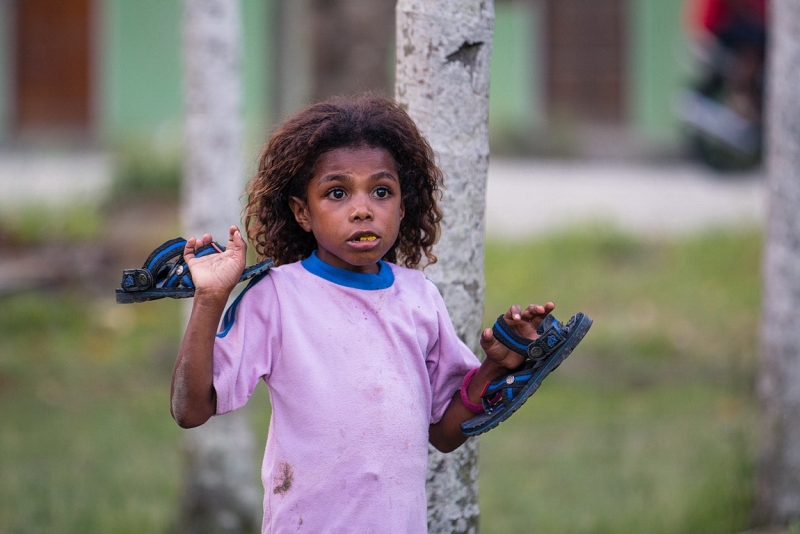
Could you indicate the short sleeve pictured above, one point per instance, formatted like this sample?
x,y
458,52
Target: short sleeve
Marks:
x,y
448,361
246,345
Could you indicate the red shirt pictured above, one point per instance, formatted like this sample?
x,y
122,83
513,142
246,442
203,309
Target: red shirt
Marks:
x,y
717,15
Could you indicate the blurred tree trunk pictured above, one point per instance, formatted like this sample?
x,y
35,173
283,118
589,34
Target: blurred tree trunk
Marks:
x,y
443,48
222,493
778,480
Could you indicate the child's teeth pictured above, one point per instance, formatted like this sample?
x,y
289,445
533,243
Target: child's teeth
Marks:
x,y
367,238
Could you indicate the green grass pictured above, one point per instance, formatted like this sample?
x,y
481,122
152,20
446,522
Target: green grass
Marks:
x,y
650,425
647,427
87,444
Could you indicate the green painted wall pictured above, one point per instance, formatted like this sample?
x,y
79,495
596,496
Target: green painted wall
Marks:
x,y
515,102
141,66
142,79
659,66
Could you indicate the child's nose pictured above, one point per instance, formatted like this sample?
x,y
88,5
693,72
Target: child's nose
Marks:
x,y
362,209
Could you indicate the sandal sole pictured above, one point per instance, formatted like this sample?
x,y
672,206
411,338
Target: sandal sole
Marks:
x,y
131,297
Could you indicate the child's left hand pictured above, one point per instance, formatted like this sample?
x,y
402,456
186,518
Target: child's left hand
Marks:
x,y
446,435
524,322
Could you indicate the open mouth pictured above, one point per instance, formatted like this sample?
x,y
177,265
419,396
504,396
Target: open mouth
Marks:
x,y
368,238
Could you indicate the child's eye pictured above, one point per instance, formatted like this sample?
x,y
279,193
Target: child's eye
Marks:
x,y
383,192
336,194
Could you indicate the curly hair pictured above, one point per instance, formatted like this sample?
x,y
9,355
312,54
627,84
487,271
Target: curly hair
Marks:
x,y
286,166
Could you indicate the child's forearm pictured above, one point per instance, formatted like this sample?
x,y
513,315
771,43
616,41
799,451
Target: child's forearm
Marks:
x,y
446,435
193,398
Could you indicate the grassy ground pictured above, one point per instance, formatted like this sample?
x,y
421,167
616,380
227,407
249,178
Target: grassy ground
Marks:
x,y
648,427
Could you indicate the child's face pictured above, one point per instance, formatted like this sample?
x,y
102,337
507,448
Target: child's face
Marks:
x,y
353,207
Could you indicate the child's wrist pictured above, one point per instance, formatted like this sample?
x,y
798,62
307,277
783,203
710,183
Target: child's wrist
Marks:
x,y
211,298
475,382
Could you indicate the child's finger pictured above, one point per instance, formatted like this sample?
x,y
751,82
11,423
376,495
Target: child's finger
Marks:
x,y
489,343
189,247
531,311
534,311
232,242
487,337
513,314
236,243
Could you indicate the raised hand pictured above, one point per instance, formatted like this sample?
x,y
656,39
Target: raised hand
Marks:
x,y
524,322
216,274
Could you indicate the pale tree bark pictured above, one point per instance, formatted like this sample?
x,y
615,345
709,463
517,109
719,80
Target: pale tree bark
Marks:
x,y
443,51
778,481
222,493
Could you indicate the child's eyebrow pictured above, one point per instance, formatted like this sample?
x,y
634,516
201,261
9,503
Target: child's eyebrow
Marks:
x,y
384,174
345,177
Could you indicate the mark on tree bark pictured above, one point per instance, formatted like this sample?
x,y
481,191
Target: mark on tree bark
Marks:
x,y
467,55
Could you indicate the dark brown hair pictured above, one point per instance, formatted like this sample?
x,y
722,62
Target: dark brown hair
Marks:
x,y
286,166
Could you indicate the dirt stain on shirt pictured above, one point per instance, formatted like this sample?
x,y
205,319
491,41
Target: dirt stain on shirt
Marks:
x,y
284,479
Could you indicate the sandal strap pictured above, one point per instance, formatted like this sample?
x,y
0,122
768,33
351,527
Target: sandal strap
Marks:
x,y
551,336
504,389
162,255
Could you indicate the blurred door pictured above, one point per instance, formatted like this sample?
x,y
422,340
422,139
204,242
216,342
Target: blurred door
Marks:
x,y
352,43
585,58
52,67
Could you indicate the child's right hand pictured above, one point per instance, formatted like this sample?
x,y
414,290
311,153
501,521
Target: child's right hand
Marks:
x,y
216,274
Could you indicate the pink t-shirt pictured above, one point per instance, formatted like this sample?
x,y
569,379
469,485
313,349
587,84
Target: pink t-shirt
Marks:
x,y
358,367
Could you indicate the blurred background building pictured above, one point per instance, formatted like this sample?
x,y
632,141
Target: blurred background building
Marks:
x,y
570,78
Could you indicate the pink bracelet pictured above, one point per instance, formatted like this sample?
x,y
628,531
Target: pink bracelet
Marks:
x,y
471,406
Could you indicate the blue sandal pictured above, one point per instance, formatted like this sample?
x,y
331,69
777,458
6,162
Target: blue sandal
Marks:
x,y
165,274
504,395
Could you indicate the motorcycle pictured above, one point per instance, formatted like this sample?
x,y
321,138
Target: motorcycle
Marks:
x,y
722,111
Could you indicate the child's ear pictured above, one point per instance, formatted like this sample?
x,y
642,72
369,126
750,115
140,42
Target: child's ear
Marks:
x,y
300,210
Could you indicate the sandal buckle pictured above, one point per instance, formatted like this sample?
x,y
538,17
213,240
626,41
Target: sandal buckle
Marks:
x,y
136,279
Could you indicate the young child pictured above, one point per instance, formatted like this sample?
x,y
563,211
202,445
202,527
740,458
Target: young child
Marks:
x,y
363,365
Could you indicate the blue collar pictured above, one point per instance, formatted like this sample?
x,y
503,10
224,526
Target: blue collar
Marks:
x,y
384,279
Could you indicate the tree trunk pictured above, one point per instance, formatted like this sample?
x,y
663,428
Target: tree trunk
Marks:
x,y
222,493
443,50
778,479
